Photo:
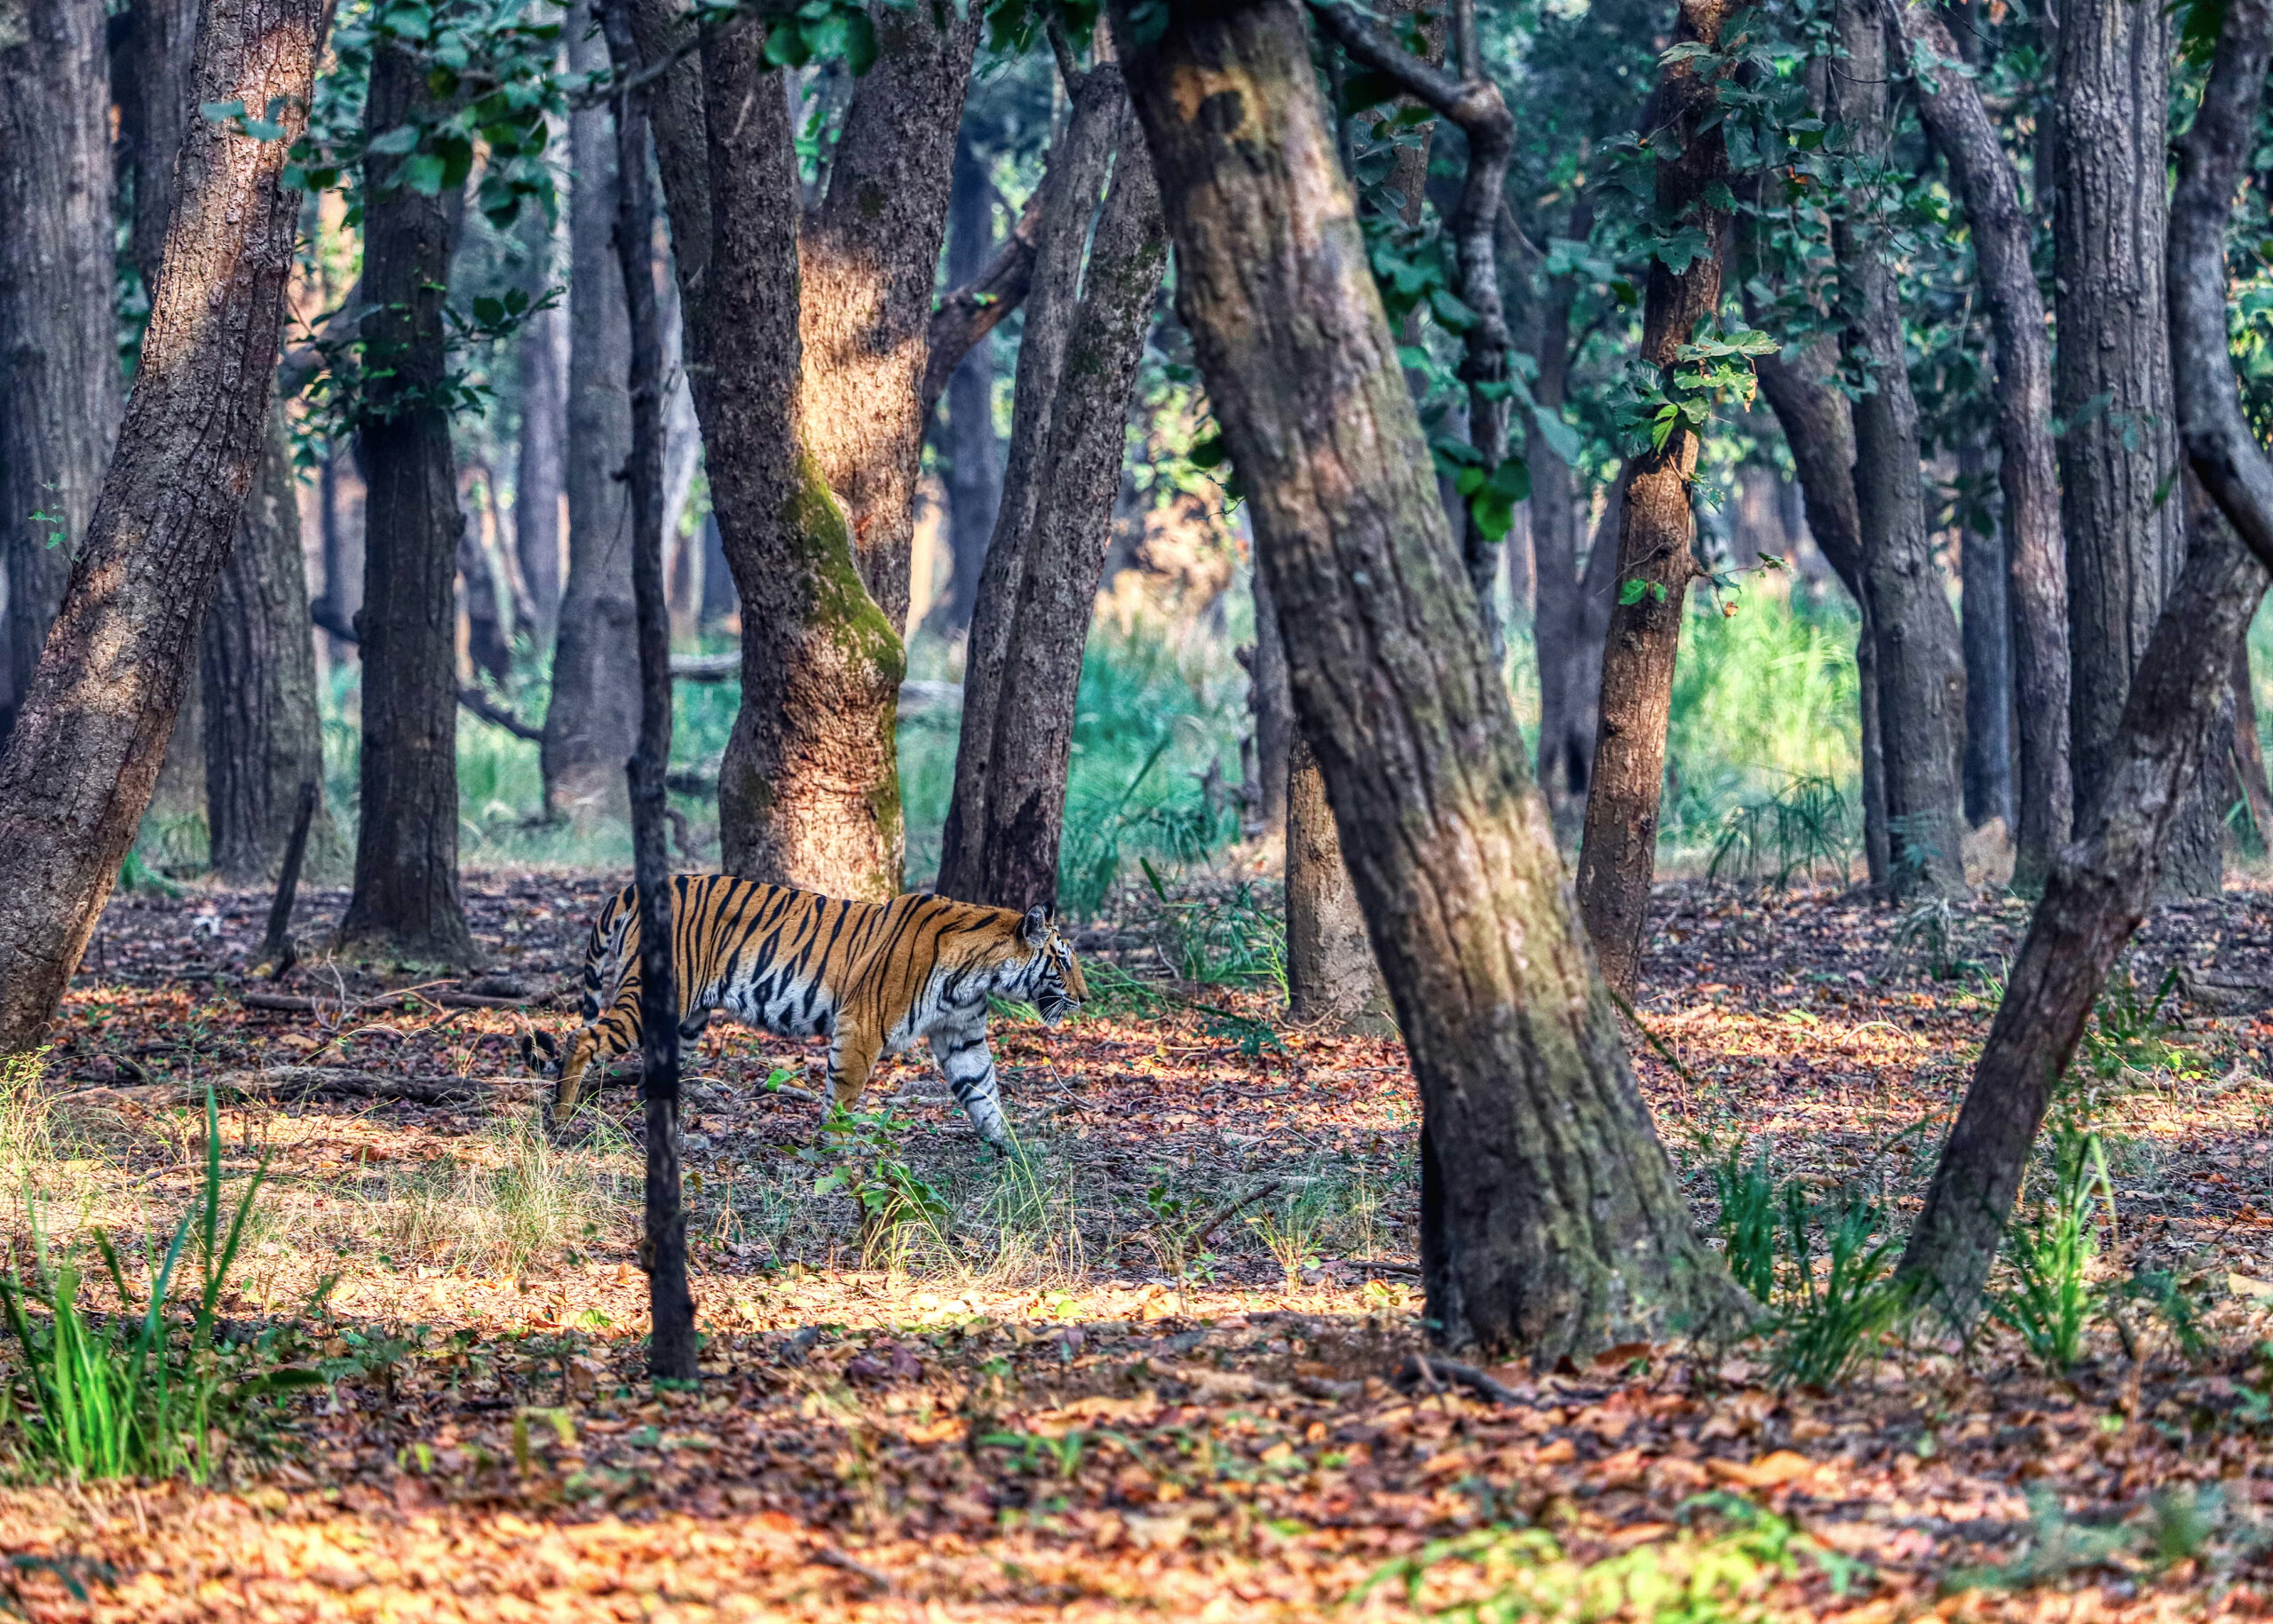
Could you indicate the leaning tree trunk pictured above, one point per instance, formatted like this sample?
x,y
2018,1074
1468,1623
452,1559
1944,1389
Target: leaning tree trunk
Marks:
x,y
1920,658
59,328
1270,707
1618,852
1079,161
80,765
2101,886
1949,103
406,900
1087,319
2125,530
1986,625
974,455
1332,981
264,737
1550,1219
593,717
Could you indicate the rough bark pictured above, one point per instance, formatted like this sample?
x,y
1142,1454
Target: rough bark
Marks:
x,y
2249,748
1918,654
1029,736
1986,626
672,1347
1551,1221
1332,981
809,788
2100,887
58,363
264,737
869,263
2126,531
1618,852
593,717
540,480
406,900
79,766
1079,161
1819,429
1949,101
974,454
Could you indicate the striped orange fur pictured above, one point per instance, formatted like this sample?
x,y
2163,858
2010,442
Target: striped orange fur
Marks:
x,y
873,977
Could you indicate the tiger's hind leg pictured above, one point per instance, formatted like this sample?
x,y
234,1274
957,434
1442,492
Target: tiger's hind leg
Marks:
x,y
967,1060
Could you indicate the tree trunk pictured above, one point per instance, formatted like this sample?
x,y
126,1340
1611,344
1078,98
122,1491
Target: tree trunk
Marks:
x,y
808,790
869,262
1567,716
671,1348
58,363
1919,657
1332,981
1618,852
593,718
80,765
2125,538
718,600
1550,1220
974,455
1949,102
341,495
489,642
2102,884
540,481
2249,748
1029,735
1272,706
264,737
1818,428
1987,629
407,900
1079,161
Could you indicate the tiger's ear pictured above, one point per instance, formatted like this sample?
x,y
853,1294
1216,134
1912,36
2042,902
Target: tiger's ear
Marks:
x,y
1035,928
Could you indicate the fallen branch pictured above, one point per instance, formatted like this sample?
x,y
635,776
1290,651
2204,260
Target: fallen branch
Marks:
x,y
829,1557
1436,1372
337,1083
1199,1235
296,1003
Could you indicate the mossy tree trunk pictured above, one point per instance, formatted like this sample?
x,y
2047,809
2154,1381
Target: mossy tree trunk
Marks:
x,y
805,344
1551,1223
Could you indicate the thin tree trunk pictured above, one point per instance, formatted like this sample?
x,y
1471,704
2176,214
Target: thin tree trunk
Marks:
x,y
407,900
1988,631
2249,748
1079,161
1817,427
489,642
2126,531
1617,854
1332,981
719,599
1030,735
671,1348
1949,103
1919,656
1270,703
80,765
593,718
264,737
974,454
2101,886
58,363
342,498
1566,701
540,481
1550,1220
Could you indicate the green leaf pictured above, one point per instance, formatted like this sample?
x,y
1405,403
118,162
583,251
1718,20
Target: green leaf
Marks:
x,y
221,112
422,173
401,139
1629,592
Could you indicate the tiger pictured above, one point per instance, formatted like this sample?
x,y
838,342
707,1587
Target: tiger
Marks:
x,y
872,977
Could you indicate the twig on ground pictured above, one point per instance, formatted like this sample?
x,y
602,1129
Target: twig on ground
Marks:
x,y
1428,1368
828,1556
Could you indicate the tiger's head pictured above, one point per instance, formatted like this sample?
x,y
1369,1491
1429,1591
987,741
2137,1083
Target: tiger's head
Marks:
x,y
1052,980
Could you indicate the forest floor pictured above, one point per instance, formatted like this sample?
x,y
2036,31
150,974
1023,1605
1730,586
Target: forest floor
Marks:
x,y
1092,1382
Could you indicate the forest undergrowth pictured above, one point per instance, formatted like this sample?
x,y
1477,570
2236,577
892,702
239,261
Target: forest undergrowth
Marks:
x,y
1161,1361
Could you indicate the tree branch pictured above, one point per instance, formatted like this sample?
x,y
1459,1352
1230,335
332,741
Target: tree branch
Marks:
x,y
974,310
498,716
2223,454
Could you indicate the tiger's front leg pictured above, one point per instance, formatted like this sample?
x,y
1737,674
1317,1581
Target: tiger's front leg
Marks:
x,y
967,1061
